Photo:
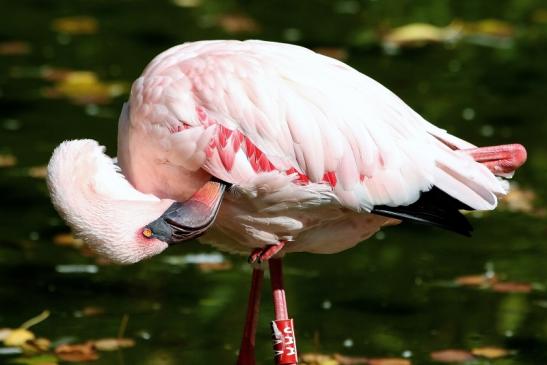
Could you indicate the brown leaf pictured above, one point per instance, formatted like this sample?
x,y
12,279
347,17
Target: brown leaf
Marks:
x,y
475,280
490,352
451,356
77,352
112,344
14,48
7,160
334,52
76,25
91,311
520,200
238,23
38,172
512,287
67,239
214,266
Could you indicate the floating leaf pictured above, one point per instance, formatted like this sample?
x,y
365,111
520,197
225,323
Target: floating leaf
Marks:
x,y
512,287
490,27
76,25
238,23
334,52
17,337
490,352
417,34
521,200
77,352
112,344
91,311
214,266
83,87
14,48
36,346
451,356
7,160
476,280
38,172
67,239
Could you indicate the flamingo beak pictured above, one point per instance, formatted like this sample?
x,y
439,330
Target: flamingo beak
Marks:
x,y
189,219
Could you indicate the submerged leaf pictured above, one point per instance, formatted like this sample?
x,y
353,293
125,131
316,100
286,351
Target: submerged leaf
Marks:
x,y
83,87
38,172
7,160
512,287
451,356
76,25
238,23
418,34
14,48
476,280
36,346
77,352
490,352
67,239
334,52
112,344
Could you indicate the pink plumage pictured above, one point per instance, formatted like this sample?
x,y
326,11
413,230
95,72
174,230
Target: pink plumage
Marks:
x,y
309,145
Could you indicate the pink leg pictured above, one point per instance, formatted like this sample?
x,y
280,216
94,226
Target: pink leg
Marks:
x,y
265,253
247,349
284,339
499,159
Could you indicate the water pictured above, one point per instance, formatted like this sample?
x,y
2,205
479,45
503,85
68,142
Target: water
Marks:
x,y
392,296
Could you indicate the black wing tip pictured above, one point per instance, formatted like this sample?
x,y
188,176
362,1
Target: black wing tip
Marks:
x,y
435,208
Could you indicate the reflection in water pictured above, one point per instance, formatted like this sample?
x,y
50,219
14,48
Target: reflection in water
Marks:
x,y
474,69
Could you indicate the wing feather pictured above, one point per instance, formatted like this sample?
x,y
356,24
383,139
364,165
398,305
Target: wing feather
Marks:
x,y
292,110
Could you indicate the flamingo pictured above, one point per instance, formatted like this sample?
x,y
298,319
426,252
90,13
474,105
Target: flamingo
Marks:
x,y
262,149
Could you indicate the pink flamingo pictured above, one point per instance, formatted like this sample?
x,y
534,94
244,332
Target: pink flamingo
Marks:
x,y
283,149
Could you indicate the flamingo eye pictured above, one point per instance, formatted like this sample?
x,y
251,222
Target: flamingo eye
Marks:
x,y
147,232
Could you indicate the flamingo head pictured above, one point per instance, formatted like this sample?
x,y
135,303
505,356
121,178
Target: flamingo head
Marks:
x,y
101,206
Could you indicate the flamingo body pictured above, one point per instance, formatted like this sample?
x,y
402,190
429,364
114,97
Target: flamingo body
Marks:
x,y
310,145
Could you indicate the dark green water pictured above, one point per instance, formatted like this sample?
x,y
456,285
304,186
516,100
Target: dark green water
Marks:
x,y
388,297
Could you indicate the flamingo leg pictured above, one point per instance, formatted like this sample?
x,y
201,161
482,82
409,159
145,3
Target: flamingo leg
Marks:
x,y
247,349
283,337
499,159
265,253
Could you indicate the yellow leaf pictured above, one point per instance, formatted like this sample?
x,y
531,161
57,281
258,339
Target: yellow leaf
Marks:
x,y
36,346
112,344
414,34
17,337
490,352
